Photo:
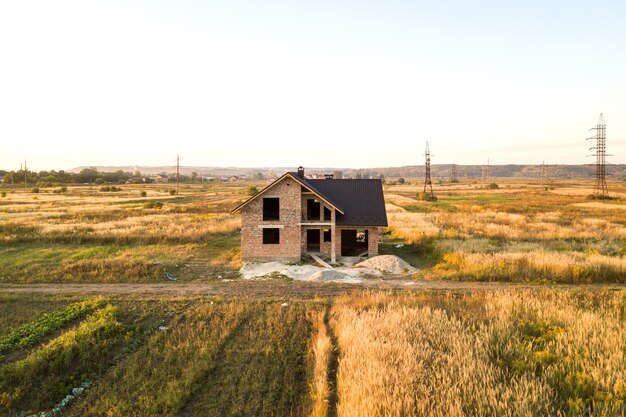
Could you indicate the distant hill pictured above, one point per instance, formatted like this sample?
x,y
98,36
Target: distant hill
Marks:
x,y
617,171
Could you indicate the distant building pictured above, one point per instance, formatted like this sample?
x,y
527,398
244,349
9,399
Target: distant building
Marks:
x,y
136,180
161,178
233,178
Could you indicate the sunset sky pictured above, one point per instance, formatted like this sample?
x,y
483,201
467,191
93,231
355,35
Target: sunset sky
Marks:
x,y
317,83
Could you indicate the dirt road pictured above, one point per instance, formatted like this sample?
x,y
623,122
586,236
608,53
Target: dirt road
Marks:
x,y
271,288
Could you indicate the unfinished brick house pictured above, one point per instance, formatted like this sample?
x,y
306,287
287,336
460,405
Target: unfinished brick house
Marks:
x,y
295,215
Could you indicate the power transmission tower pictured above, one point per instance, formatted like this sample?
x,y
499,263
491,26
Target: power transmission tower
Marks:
x,y
486,171
600,188
177,172
428,184
25,175
543,173
454,174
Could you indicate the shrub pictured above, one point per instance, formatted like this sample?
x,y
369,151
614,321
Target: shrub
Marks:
x,y
493,186
35,190
252,190
172,192
3,194
153,205
600,197
143,193
112,188
99,181
422,196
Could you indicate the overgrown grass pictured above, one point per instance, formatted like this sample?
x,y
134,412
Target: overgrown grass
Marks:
x,y
519,234
38,262
218,359
489,353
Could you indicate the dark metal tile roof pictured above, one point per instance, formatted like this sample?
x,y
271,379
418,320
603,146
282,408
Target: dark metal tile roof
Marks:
x,y
361,200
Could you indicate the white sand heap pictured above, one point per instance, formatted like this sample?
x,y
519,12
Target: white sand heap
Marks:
x,y
390,264
371,268
333,275
259,270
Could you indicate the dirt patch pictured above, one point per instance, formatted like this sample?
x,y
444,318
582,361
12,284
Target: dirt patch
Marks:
x,y
276,289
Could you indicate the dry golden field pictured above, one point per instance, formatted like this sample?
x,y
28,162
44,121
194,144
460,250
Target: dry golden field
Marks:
x,y
491,354
520,231
284,348
85,234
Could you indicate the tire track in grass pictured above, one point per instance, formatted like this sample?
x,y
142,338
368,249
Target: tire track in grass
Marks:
x,y
193,399
261,370
333,365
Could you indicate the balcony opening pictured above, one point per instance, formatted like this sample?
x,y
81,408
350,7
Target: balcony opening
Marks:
x,y
312,209
327,214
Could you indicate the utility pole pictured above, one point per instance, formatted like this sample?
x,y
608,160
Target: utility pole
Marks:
x,y
600,188
428,184
543,173
177,172
25,175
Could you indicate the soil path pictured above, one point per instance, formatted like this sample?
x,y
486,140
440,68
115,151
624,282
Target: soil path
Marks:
x,y
275,288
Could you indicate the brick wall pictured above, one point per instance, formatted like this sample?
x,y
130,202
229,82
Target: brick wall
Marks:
x,y
372,241
252,223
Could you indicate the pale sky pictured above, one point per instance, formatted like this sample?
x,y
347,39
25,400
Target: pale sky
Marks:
x,y
317,83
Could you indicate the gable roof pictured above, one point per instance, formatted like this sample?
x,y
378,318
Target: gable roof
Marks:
x,y
359,202
362,200
300,181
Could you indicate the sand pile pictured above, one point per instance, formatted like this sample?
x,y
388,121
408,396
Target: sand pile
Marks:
x,y
332,275
390,264
259,270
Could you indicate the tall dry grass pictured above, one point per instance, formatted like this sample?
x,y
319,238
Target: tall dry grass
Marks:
x,y
415,227
403,360
565,267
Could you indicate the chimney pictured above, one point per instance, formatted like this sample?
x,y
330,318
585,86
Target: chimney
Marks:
x,y
301,172
329,176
